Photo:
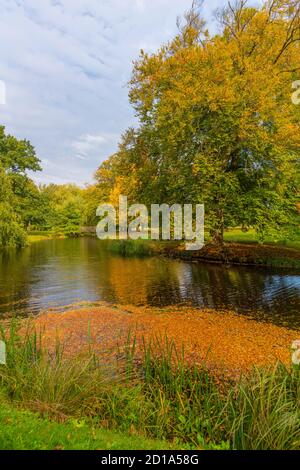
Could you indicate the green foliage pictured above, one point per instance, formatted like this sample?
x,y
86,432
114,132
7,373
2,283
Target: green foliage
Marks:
x,y
156,395
92,198
11,231
17,156
31,204
187,401
64,209
17,206
24,206
216,122
264,412
130,247
251,236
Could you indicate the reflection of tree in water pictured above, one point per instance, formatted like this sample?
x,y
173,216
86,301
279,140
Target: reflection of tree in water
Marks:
x,y
14,286
65,271
132,280
166,287
282,299
143,281
219,285
244,290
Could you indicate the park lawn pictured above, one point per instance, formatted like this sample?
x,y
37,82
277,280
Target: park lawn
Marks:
x,y
24,430
37,238
236,235
34,237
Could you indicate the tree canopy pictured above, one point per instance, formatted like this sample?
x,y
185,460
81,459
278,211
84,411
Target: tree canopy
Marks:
x,y
216,121
216,125
16,157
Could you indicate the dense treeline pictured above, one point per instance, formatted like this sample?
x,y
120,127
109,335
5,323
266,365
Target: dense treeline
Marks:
x,y
16,189
24,206
217,126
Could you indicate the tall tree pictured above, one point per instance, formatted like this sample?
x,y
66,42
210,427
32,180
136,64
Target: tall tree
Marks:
x,y
12,232
217,112
17,156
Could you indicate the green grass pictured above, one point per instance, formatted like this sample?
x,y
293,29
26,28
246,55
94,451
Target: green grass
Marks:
x,y
236,235
37,238
149,247
24,430
264,413
154,395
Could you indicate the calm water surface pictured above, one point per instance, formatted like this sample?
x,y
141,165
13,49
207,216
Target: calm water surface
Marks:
x,y
60,272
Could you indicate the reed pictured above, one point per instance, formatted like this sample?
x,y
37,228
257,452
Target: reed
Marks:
x,y
130,247
151,391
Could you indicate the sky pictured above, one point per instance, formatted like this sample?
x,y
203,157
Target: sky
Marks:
x,y
66,64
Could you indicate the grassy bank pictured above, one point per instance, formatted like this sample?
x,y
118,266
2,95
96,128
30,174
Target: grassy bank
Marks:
x,y
24,430
155,396
238,236
242,254
37,236
240,249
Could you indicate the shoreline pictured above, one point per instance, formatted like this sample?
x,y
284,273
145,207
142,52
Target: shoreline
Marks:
x,y
230,253
240,254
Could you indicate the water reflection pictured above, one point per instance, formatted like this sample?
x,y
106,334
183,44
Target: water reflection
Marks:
x,y
60,272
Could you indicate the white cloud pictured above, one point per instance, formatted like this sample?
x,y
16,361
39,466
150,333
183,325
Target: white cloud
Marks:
x,y
86,143
2,93
140,4
66,63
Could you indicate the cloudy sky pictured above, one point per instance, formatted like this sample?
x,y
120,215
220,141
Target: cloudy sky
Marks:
x,y
66,64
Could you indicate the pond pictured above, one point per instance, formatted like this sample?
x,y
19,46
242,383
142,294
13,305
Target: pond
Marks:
x,y
60,272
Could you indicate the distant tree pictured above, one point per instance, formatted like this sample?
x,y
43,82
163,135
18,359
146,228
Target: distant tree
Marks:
x,y
17,156
31,205
12,233
65,211
92,198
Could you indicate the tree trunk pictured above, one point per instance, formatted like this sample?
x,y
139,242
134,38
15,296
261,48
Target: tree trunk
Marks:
x,y
218,231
